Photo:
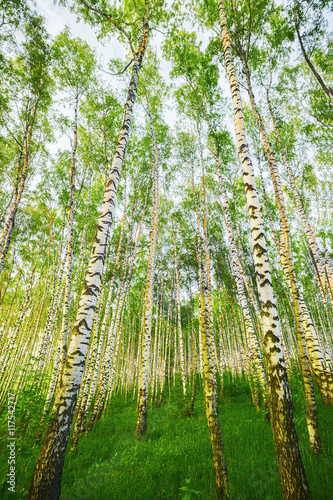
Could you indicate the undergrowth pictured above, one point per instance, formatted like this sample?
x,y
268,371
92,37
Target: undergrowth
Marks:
x,y
173,460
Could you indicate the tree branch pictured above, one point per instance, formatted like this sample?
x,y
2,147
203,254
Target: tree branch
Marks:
x,y
119,72
328,91
94,9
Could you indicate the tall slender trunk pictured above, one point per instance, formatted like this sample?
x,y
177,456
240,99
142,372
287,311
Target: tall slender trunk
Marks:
x,y
312,242
69,255
208,273
10,223
250,332
114,328
286,258
166,348
156,345
141,425
102,381
90,383
198,252
179,322
292,475
220,466
46,480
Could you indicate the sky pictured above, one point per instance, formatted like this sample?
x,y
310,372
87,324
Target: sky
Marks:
x,y
57,17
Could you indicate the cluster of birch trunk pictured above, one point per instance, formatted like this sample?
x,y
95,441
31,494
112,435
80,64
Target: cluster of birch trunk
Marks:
x,y
167,281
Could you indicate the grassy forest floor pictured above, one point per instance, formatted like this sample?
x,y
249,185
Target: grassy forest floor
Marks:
x,y
174,459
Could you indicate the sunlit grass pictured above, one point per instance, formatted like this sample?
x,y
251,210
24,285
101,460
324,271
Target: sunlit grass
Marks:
x,y
174,460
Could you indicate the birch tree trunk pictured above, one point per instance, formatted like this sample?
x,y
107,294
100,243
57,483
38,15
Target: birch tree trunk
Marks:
x,y
46,480
250,332
319,261
286,258
220,466
166,347
328,90
179,322
292,475
69,255
6,236
141,425
208,274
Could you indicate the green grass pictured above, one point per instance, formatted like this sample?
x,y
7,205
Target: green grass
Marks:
x,y
174,461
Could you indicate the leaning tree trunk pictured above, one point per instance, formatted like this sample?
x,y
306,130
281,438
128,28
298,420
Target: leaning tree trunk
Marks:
x,y
69,254
319,261
250,332
46,480
10,223
292,475
289,272
323,376
103,377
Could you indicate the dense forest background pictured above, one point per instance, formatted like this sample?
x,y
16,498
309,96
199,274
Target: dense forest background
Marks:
x,y
166,234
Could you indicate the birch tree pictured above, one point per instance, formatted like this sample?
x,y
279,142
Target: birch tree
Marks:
x,y
30,84
46,480
283,426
